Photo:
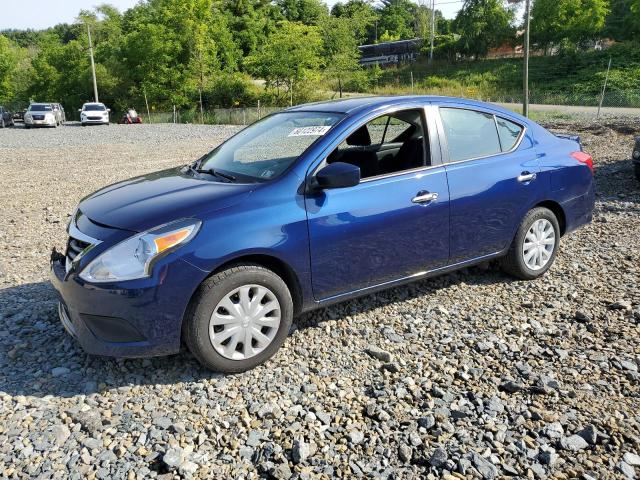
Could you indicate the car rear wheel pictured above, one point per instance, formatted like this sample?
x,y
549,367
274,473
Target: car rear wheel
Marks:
x,y
238,318
2,125
535,245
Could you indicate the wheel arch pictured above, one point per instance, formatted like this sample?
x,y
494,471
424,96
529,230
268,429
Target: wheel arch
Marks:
x,y
273,263
558,211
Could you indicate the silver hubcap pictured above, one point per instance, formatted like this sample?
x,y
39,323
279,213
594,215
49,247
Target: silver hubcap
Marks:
x,y
244,322
539,244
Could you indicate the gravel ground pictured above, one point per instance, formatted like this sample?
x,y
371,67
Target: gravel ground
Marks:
x,y
469,375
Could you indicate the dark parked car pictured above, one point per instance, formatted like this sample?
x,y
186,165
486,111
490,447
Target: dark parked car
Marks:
x,y
635,157
314,205
19,116
6,119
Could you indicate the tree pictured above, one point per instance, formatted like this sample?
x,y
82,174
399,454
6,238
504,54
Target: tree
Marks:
x,y
553,21
8,64
289,57
308,12
482,25
397,19
340,49
364,18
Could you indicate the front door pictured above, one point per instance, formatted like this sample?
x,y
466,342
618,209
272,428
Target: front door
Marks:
x,y
394,224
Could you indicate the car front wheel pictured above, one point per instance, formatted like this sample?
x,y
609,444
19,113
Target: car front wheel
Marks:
x,y
238,318
535,245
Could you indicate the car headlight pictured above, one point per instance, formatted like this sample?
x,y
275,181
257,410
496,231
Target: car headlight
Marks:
x,y
49,116
134,258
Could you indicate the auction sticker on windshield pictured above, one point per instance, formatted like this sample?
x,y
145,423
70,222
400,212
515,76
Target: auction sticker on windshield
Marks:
x,y
317,130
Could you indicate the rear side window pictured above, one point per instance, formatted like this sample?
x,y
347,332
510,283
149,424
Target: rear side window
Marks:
x,y
469,134
508,132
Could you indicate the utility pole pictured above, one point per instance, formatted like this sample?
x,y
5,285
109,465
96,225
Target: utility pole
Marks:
x,y
433,28
93,67
525,80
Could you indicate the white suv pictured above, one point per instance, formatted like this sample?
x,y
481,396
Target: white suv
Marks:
x,y
94,113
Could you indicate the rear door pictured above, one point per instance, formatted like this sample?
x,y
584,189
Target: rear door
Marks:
x,y
492,170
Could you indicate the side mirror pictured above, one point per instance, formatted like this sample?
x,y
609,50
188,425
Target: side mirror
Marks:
x,y
338,175
79,110
108,110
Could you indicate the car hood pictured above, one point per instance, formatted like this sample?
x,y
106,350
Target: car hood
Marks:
x,y
158,198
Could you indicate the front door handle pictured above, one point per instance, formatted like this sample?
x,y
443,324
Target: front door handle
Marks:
x,y
526,177
424,197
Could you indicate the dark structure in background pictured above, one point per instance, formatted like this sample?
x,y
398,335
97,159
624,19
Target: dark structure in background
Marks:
x,y
390,53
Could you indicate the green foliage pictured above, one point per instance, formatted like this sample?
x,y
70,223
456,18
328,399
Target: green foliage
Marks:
x,y
363,16
309,12
397,18
8,65
236,52
482,25
553,21
231,90
340,50
288,59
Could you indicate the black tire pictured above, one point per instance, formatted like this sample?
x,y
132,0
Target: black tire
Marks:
x,y
637,169
514,263
2,125
212,290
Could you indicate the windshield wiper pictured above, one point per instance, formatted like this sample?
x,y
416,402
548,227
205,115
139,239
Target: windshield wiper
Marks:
x,y
217,173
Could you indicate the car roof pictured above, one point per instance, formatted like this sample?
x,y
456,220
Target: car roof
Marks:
x,y
354,105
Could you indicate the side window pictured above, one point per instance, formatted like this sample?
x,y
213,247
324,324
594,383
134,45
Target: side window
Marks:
x,y
509,133
469,133
387,144
377,129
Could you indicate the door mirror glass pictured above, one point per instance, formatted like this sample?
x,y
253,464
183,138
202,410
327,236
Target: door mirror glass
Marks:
x,y
338,175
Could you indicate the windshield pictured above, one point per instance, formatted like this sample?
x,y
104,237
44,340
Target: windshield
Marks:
x,y
267,148
94,108
40,107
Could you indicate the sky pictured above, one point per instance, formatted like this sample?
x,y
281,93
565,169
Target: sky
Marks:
x,y
39,14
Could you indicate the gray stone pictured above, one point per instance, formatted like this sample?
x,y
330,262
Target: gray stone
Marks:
x,y
405,453
378,353
281,471
485,468
438,458
590,434
300,451
356,437
162,422
173,457
627,470
632,459
574,443
60,371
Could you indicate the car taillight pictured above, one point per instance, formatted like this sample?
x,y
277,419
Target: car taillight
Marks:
x,y
585,158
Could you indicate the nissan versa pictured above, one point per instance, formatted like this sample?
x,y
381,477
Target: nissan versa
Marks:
x,y
310,206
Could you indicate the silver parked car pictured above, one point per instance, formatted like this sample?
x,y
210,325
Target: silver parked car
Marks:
x,y
40,115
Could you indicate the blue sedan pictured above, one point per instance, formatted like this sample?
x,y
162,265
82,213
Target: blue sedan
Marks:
x,y
314,205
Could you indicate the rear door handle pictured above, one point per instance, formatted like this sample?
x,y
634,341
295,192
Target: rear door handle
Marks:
x,y
424,197
526,177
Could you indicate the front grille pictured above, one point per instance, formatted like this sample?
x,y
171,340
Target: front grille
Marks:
x,y
74,247
94,118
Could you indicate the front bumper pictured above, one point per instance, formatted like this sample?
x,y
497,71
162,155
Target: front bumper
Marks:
x,y
101,121
40,123
136,318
